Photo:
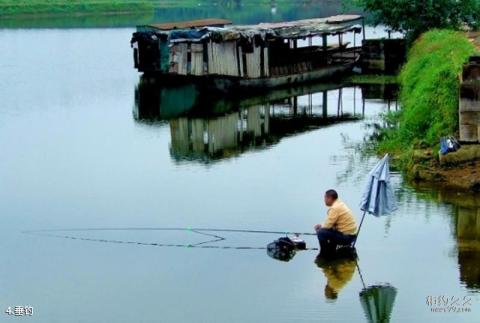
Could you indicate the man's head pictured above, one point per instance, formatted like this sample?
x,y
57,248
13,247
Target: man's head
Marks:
x,y
330,293
330,197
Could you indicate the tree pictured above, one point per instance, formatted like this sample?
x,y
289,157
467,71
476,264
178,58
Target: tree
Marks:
x,y
414,17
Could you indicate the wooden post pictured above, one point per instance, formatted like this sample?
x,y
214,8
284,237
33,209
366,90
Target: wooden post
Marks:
x,y
324,104
310,103
354,101
363,27
324,42
363,106
339,104
340,43
324,47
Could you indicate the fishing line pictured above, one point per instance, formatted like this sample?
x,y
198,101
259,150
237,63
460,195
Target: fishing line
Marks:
x,y
203,231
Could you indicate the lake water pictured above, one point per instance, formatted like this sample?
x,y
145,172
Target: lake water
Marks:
x,y
85,146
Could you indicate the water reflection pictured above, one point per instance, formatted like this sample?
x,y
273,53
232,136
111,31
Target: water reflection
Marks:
x,y
466,230
338,271
377,302
206,128
468,239
280,251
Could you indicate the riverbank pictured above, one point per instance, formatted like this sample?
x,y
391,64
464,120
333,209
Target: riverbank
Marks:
x,y
458,170
429,84
21,8
42,8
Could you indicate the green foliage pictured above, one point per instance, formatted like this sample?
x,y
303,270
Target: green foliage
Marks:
x,y
66,7
417,16
39,7
372,79
429,92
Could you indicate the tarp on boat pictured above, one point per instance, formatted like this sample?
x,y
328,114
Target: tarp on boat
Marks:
x,y
286,30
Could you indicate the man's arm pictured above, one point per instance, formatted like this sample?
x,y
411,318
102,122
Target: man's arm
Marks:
x,y
331,219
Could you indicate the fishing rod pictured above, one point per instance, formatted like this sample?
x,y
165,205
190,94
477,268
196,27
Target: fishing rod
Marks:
x,y
198,230
203,231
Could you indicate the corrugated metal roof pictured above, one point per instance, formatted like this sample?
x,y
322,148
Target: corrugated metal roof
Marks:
x,y
212,22
198,30
342,18
292,29
315,25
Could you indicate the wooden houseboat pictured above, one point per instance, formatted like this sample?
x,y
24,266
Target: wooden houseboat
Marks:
x,y
266,55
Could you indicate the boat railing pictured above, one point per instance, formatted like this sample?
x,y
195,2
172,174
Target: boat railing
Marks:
x,y
306,59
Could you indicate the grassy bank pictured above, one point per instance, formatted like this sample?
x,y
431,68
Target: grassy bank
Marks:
x,y
429,84
372,79
46,7
12,8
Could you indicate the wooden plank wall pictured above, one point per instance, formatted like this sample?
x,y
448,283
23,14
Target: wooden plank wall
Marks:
x,y
173,60
222,58
254,63
178,59
225,58
240,58
197,67
183,62
266,66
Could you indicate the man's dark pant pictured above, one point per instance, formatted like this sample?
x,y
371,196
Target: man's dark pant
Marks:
x,y
330,238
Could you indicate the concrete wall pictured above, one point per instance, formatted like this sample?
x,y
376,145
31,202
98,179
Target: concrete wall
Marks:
x,y
383,55
469,102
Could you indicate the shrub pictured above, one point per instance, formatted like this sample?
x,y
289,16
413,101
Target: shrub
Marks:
x,y
429,91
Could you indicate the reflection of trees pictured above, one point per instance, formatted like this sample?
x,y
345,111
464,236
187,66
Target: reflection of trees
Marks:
x,y
231,3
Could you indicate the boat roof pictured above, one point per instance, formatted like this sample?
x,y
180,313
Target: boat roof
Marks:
x,y
199,30
302,28
211,22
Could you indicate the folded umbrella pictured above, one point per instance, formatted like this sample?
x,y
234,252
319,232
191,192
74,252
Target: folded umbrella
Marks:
x,y
378,197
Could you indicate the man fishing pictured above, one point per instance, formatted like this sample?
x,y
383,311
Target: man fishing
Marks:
x,y
339,227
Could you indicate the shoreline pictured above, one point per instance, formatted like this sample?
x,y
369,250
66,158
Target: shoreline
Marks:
x,y
42,9
74,14
22,9
458,170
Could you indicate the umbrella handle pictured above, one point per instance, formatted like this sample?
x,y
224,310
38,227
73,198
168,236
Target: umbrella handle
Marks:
x,y
360,273
359,227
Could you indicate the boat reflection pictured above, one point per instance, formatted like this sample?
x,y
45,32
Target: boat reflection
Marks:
x,y
205,128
